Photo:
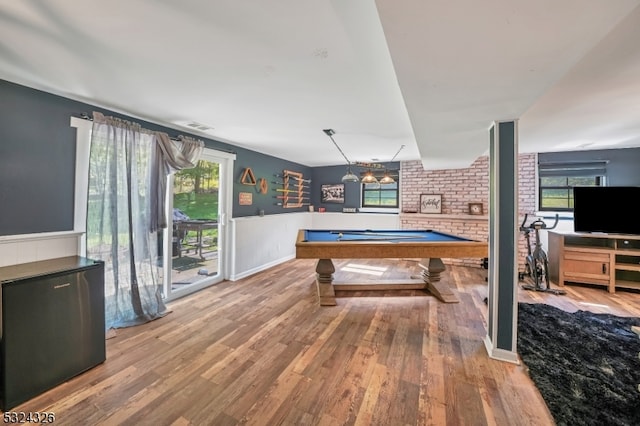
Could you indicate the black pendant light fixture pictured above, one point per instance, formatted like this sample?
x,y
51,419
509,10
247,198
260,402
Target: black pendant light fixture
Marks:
x,y
349,177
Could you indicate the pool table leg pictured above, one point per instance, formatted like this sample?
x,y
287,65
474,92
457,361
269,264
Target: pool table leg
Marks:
x,y
431,270
324,281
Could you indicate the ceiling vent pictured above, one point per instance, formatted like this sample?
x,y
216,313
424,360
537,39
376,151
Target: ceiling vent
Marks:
x,y
198,126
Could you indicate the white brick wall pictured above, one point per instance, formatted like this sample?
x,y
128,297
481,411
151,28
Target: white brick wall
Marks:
x,y
458,188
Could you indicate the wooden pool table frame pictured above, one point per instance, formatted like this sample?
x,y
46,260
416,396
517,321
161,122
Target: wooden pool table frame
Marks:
x,y
430,253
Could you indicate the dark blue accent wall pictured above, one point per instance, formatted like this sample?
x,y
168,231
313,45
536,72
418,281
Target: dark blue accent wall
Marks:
x,y
622,164
37,161
266,167
507,168
333,175
492,220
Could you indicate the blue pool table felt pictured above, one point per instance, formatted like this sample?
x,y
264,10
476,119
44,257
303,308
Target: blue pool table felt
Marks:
x,y
379,235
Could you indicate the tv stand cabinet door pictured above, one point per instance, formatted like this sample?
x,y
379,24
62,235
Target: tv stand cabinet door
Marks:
x,y
589,267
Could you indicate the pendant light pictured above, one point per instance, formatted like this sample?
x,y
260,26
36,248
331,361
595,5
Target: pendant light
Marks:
x,y
387,177
369,177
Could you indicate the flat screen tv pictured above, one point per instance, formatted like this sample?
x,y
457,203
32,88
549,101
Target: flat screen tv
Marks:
x,y
607,209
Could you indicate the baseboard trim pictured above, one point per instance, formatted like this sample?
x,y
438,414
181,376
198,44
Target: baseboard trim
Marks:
x,y
252,271
500,354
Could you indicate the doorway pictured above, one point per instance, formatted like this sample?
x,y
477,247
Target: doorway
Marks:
x,y
195,242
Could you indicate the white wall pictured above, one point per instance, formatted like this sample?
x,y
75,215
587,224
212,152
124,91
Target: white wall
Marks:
x,y
20,249
259,243
565,224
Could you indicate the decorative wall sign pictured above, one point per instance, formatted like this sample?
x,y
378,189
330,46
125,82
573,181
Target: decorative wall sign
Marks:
x,y
430,203
263,186
369,165
245,198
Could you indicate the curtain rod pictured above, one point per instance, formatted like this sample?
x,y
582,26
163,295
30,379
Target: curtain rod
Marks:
x,y
86,116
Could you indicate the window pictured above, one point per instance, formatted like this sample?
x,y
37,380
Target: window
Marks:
x,y
383,195
556,182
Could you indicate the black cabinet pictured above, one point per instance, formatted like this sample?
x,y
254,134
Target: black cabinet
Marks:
x,y
53,325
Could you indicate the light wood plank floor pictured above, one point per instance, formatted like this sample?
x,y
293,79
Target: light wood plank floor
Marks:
x,y
260,351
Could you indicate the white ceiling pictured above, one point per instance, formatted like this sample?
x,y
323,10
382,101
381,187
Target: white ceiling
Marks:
x,y
269,75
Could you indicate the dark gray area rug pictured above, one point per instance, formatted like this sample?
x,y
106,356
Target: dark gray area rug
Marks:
x,y
585,365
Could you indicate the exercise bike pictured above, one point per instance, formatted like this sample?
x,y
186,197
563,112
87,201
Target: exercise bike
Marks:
x,y
537,264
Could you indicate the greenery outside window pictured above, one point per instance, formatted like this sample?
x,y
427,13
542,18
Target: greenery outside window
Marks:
x,y
384,195
556,182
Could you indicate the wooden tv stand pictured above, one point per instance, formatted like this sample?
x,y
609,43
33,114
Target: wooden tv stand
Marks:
x,y
610,260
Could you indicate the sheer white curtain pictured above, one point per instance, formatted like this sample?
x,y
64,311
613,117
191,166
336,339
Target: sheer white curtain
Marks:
x,y
125,212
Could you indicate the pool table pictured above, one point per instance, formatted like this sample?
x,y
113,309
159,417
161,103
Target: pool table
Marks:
x,y
428,245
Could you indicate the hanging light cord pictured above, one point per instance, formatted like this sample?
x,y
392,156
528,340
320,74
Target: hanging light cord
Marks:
x,y
330,132
394,157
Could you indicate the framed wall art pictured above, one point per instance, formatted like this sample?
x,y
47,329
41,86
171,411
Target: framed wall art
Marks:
x,y
430,203
332,193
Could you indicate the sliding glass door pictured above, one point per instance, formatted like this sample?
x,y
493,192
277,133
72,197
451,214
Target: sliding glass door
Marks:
x,y
194,243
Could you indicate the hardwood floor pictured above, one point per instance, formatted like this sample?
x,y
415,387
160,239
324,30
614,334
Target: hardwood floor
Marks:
x,y
260,351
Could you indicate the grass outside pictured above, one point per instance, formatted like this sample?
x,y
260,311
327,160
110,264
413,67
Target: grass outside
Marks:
x,y
557,203
197,206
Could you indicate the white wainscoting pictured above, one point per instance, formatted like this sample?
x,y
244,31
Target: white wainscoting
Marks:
x,y
354,221
27,248
258,243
